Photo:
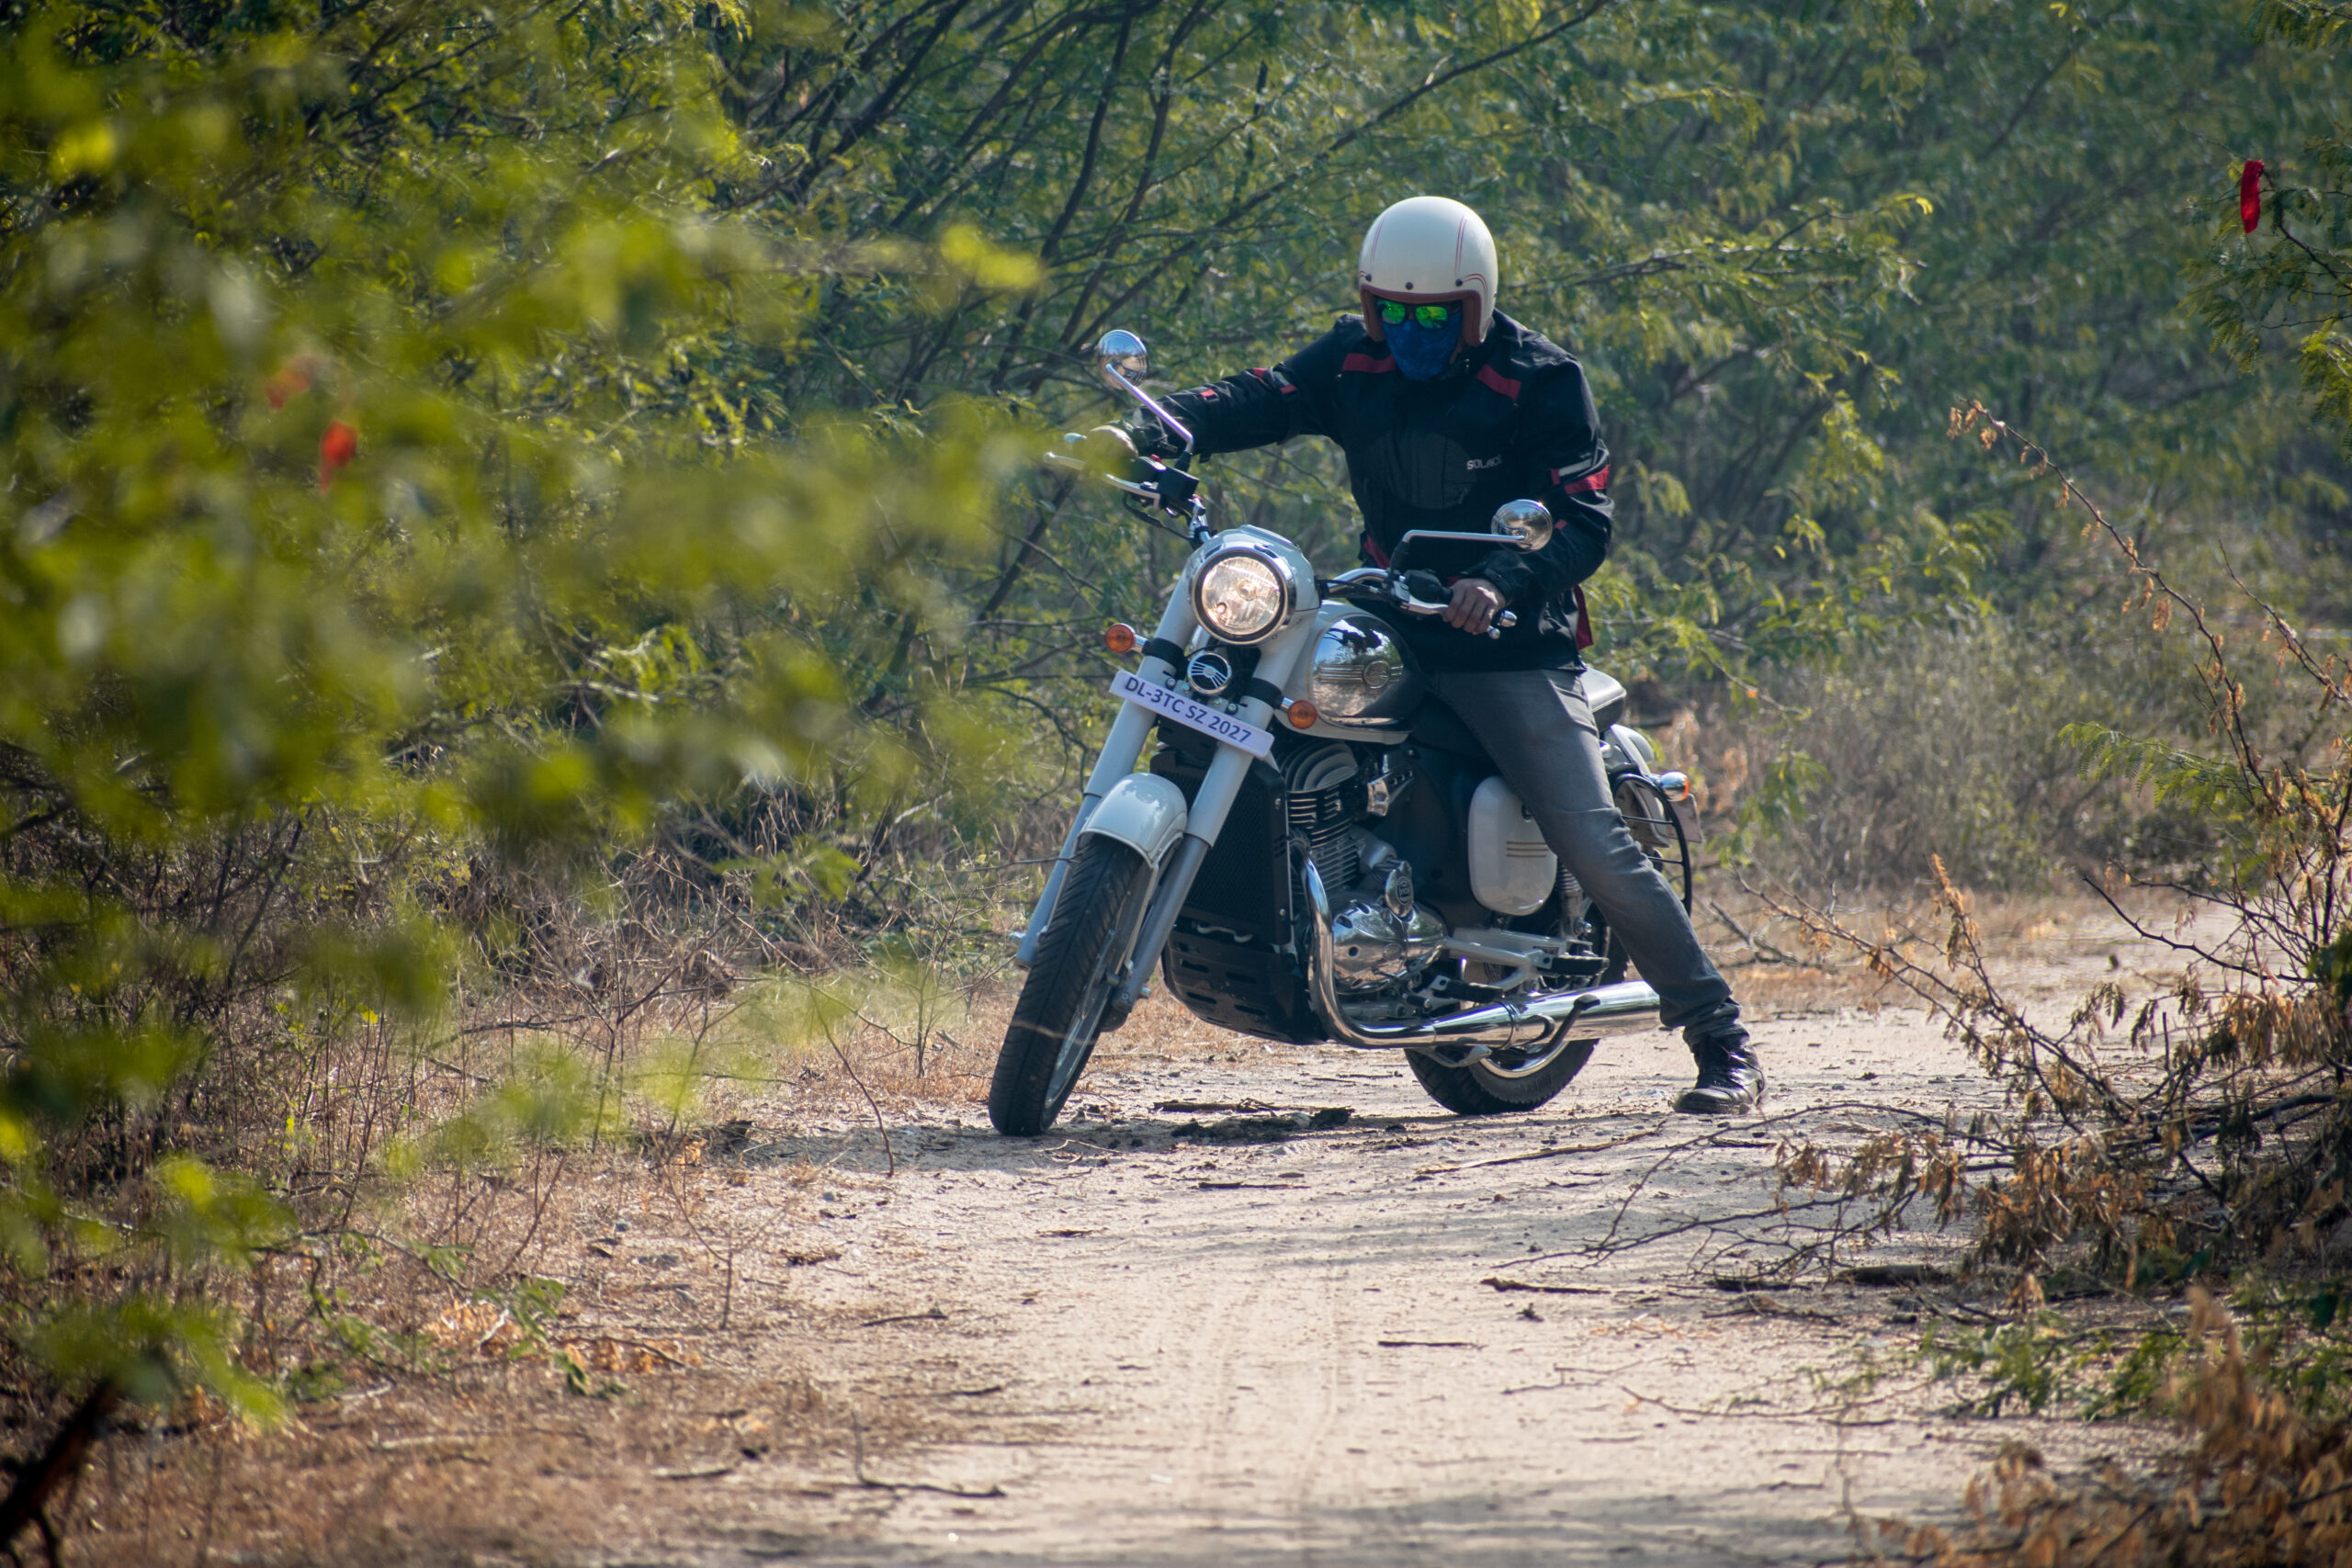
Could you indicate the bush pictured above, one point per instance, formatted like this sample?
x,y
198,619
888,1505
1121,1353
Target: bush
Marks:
x,y
391,499
1948,744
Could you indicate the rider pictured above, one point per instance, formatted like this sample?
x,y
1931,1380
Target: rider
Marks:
x,y
1445,408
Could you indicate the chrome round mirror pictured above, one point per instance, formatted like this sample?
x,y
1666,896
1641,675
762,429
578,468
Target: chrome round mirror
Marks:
x,y
1122,352
1527,523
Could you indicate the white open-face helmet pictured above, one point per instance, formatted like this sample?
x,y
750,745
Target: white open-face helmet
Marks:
x,y
1427,250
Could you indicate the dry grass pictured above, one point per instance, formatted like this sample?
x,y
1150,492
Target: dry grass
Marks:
x,y
2259,1483
521,1358
2040,941
495,1424
496,1462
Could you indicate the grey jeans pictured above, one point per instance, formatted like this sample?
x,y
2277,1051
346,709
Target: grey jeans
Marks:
x,y
1537,727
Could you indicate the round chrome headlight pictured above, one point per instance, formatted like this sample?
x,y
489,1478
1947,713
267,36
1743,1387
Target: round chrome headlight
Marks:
x,y
1356,661
1243,595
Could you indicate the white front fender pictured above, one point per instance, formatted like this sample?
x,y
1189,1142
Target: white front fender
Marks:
x,y
1144,811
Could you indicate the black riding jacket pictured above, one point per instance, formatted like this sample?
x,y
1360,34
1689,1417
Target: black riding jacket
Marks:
x,y
1513,420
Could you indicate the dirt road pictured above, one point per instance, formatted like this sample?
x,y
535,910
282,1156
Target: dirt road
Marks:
x,y
1406,1338
1248,1305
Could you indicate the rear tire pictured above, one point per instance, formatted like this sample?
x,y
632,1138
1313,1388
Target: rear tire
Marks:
x,y
1483,1088
1059,1015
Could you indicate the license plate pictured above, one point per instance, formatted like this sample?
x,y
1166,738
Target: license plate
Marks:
x,y
1191,715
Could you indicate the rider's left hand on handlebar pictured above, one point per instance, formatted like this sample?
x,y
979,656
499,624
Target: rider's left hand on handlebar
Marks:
x,y
1109,449
1475,604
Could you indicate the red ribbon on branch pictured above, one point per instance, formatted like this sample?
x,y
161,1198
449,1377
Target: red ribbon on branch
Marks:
x,y
2250,194
336,447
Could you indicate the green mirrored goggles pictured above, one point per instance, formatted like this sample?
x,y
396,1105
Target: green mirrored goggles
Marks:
x,y
1396,313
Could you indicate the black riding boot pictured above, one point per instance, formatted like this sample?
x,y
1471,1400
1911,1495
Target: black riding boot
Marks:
x,y
1731,1077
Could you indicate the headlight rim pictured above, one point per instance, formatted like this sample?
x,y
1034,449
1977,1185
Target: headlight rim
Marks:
x,y
1284,579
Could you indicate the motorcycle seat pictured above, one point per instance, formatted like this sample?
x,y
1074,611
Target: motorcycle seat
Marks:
x,y
1438,725
1605,695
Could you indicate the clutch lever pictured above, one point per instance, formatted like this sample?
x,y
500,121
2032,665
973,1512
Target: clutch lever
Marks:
x,y
1064,461
1174,492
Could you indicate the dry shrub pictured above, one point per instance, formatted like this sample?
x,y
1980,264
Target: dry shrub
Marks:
x,y
2261,1483
1947,741
2202,1128
2200,1133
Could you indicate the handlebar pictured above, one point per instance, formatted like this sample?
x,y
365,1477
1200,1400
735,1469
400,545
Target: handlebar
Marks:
x,y
1063,459
1181,498
1403,599
1395,591
1172,491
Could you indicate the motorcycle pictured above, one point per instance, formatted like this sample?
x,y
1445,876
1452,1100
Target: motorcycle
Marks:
x,y
1314,852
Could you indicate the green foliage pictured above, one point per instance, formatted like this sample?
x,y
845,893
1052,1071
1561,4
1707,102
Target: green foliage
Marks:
x,y
2332,966
1784,241
2203,783
2292,1332
2284,291
397,470
2030,1365
1777,803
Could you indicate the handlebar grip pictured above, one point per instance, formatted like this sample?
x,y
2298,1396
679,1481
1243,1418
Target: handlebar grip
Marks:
x,y
1066,459
1504,619
1407,601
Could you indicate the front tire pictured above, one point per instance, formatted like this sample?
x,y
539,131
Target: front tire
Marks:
x,y
1487,1088
1059,1015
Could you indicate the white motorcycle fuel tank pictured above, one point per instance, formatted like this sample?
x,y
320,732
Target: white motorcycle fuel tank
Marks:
x,y
1512,870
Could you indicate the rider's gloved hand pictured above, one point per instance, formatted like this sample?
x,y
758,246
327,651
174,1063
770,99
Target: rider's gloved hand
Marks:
x,y
1109,449
1475,606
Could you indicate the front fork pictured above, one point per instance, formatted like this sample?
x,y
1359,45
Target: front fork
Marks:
x,y
1219,787
1120,751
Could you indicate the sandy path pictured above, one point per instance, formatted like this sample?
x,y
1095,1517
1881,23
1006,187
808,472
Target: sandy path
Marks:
x,y
1211,1353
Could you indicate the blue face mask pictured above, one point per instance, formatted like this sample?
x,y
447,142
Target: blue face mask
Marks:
x,y
1422,352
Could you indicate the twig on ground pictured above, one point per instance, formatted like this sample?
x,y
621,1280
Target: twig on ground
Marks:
x,y
857,1429
934,1315
1558,1153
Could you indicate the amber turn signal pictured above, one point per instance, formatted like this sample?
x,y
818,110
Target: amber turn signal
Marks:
x,y
1302,715
1119,637
1674,786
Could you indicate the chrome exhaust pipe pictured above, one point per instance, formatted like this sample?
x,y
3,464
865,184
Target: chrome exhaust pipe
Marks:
x,y
1629,1007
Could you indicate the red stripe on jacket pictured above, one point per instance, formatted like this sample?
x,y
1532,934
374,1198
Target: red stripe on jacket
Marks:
x,y
1497,381
1597,479
1367,364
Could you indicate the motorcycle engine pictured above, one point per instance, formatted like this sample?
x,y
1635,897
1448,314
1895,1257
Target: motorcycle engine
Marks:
x,y
1382,942
1322,801
1381,937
